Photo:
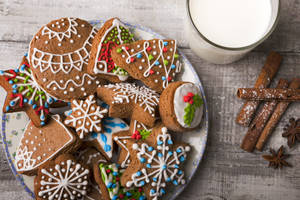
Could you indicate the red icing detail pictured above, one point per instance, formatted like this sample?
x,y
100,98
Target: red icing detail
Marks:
x,y
189,98
165,49
127,48
191,101
121,196
21,99
151,71
108,171
42,108
138,136
190,94
105,55
11,77
169,78
117,178
132,59
149,49
140,189
133,136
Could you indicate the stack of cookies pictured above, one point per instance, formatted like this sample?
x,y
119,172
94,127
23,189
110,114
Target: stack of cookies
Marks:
x,y
122,101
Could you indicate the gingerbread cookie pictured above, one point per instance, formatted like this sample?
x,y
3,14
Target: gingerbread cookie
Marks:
x,y
154,166
93,194
63,178
103,140
86,116
59,54
112,33
181,106
137,132
155,62
91,156
24,94
127,100
39,145
108,176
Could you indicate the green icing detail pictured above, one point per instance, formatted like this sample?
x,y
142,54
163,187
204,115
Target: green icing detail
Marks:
x,y
145,133
189,110
120,71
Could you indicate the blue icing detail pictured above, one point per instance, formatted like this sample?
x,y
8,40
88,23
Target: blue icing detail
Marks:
x,y
148,165
42,123
25,100
114,185
12,103
173,66
160,155
156,63
180,172
154,179
143,160
150,149
115,197
138,173
107,130
1,72
170,153
178,150
107,148
94,135
14,86
26,54
15,91
162,191
159,142
128,194
109,185
176,166
42,117
104,105
69,103
30,102
164,167
16,70
139,55
142,198
103,137
34,106
175,182
7,108
163,78
182,159
23,67
166,43
10,82
170,142
115,173
142,183
152,191
168,179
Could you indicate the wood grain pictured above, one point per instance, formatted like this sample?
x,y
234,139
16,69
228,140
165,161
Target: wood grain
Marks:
x,y
226,171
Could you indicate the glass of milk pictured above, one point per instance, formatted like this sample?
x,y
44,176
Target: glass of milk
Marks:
x,y
223,31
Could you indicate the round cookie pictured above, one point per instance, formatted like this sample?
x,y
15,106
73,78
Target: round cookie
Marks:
x,y
59,54
181,106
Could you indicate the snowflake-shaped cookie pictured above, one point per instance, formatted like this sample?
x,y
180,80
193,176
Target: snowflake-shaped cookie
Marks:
x,y
63,178
86,116
158,165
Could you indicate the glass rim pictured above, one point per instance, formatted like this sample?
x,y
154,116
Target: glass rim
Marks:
x,y
234,48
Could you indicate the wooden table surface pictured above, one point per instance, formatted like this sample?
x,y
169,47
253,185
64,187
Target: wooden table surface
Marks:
x,y
226,171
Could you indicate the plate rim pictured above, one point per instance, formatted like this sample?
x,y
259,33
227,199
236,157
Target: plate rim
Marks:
x,y
204,123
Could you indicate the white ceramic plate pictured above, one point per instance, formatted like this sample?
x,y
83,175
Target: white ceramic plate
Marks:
x,y
13,124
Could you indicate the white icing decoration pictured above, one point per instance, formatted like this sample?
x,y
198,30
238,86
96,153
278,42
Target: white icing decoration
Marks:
x,y
115,24
61,35
122,140
38,56
126,92
30,157
87,115
160,58
66,182
104,138
179,104
164,165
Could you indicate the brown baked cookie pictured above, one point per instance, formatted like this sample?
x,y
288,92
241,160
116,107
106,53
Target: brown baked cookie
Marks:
x,y
141,133
63,178
155,62
59,54
24,94
86,116
94,193
108,176
90,156
112,33
102,140
181,106
152,167
39,145
127,100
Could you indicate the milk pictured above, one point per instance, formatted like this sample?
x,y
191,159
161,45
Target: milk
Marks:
x,y
230,26
232,23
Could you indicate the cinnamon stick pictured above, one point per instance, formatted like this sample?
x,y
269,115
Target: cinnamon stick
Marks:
x,y
269,94
260,121
265,77
274,119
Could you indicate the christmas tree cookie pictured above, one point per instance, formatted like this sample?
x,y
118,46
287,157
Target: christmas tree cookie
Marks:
x,y
112,33
155,166
108,178
127,100
155,62
181,106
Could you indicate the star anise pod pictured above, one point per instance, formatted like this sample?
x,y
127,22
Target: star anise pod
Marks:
x,y
292,131
277,159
